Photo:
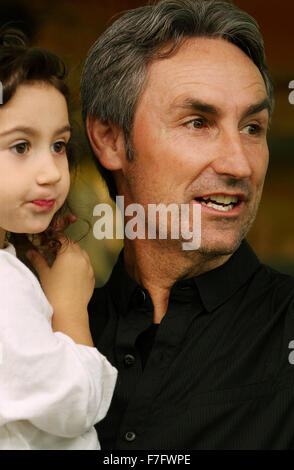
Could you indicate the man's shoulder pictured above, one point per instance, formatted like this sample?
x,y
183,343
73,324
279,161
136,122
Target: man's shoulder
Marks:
x,y
275,285
98,311
99,297
276,277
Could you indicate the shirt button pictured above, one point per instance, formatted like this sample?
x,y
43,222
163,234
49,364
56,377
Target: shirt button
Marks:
x,y
139,298
129,359
143,296
130,436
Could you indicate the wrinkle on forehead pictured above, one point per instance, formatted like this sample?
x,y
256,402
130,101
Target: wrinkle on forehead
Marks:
x,y
211,69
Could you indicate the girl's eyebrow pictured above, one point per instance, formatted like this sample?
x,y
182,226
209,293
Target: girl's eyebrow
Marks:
x,y
24,129
63,129
31,131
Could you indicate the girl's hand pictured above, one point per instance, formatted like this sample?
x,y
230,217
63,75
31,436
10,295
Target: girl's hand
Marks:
x,y
63,222
68,286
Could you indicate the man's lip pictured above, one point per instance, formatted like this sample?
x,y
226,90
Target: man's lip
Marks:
x,y
240,196
232,213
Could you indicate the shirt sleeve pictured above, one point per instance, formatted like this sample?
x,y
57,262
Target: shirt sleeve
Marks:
x,y
46,378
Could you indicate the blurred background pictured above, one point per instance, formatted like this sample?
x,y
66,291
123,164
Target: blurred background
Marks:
x,y
69,28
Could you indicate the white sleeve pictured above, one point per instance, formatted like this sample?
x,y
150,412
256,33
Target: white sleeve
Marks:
x,y
59,386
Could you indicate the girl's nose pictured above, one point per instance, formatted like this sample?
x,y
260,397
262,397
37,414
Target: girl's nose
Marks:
x,y
48,171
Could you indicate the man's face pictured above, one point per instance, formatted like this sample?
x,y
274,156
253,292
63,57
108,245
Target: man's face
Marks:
x,y
199,137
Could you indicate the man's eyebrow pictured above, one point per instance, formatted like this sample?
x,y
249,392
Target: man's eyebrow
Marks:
x,y
257,108
30,131
198,105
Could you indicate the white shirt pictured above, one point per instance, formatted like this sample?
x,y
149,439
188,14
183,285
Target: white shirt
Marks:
x,y
52,390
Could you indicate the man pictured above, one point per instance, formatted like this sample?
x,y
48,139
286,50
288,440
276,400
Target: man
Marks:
x,y
176,100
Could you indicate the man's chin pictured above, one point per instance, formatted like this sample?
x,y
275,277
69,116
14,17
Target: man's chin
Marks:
x,y
216,248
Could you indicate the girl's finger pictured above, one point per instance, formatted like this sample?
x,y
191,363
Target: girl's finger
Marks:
x,y
38,262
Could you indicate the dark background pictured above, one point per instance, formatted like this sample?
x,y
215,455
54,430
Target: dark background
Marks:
x,y
69,28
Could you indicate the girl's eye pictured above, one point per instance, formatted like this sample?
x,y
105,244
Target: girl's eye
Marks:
x,y
21,148
59,147
198,123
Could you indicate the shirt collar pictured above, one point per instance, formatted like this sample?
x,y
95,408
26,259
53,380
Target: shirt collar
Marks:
x,y
214,287
218,285
9,248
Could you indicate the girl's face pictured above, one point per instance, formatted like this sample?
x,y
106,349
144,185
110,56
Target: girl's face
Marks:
x,y
34,175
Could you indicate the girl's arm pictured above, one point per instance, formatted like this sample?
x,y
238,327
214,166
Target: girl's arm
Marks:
x,y
68,286
61,387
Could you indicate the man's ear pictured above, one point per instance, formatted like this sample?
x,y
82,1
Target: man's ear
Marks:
x,y
107,142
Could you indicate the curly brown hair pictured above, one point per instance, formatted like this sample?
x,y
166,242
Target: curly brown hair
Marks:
x,y
22,64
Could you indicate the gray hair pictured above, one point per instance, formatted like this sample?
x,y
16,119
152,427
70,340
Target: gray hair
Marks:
x,y
115,70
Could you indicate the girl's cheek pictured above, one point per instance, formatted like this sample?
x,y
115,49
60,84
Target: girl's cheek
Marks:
x,y
66,177
66,186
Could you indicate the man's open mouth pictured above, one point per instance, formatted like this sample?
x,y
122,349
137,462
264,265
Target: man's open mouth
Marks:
x,y
219,202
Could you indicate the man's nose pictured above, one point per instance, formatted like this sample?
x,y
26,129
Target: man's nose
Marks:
x,y
48,171
232,157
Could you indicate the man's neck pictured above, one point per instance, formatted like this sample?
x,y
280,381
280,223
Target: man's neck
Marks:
x,y
157,267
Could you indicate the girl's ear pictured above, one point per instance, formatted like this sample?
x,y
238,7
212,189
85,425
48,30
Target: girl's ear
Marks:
x,y
107,142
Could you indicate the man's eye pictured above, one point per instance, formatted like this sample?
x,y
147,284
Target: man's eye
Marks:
x,y
252,129
198,123
59,147
21,148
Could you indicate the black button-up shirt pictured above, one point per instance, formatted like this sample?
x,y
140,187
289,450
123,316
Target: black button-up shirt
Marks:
x,y
216,373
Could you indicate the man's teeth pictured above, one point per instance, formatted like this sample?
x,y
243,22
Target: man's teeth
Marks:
x,y
229,207
224,203
222,199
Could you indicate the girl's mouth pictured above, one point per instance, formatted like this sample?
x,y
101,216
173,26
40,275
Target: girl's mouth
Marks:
x,y
45,204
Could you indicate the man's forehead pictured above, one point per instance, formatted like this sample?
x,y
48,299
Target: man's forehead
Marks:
x,y
207,55
213,49
214,68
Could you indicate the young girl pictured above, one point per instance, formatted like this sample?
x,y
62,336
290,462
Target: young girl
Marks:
x,y
54,385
